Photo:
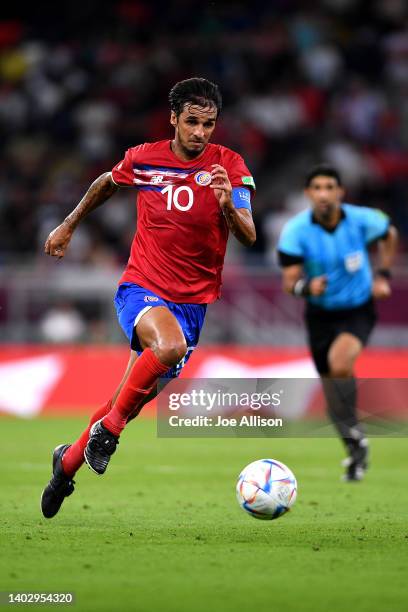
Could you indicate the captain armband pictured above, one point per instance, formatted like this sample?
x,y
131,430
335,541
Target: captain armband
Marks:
x,y
241,198
301,288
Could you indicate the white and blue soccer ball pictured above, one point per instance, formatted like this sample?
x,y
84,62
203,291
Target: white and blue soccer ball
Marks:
x,y
266,489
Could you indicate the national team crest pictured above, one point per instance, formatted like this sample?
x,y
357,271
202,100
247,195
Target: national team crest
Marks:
x,y
203,178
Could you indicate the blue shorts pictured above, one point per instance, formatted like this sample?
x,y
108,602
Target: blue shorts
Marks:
x,y
132,301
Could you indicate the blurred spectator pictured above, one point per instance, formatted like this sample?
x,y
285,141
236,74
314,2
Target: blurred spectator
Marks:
x,y
62,324
302,82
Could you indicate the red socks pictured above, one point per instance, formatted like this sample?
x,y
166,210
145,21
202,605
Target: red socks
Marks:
x,y
73,458
142,377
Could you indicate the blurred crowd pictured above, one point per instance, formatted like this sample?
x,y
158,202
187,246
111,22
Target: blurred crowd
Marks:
x,y
302,82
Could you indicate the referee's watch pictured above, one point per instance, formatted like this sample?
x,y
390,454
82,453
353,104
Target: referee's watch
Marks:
x,y
301,288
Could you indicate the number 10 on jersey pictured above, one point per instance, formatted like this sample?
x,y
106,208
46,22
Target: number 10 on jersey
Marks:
x,y
173,197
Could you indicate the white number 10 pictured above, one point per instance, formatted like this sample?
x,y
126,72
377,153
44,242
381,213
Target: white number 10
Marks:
x,y
172,197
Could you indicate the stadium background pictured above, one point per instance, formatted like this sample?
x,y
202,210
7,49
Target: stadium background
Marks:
x,y
302,82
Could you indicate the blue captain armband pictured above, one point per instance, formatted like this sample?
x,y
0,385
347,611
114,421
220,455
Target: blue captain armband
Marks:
x,y
241,197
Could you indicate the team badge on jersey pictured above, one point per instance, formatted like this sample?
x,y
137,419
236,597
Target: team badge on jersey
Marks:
x,y
203,178
353,261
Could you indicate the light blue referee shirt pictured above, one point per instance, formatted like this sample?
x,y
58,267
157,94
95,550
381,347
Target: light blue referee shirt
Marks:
x,y
340,254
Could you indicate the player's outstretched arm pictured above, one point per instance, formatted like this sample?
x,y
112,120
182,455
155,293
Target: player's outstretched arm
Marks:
x,y
100,190
239,220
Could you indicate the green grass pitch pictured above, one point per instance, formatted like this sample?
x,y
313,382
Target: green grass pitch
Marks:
x,y
162,529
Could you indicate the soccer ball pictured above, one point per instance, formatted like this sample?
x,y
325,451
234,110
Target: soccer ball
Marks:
x,y
266,489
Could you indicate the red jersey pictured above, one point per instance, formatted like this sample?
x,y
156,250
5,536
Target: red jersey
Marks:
x,y
179,248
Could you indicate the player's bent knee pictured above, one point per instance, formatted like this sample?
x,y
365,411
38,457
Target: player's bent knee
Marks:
x,y
171,352
340,369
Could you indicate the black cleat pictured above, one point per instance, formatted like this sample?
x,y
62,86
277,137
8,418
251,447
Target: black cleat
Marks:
x,y
59,487
101,445
357,463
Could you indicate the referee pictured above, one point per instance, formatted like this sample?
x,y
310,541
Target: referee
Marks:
x,y
323,252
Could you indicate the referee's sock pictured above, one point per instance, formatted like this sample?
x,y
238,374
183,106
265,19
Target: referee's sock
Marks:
x,y
341,398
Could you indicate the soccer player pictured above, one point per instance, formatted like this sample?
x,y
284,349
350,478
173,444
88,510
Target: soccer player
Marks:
x,y
190,195
323,252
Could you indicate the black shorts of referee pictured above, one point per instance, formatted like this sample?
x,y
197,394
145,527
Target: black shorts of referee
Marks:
x,y
323,327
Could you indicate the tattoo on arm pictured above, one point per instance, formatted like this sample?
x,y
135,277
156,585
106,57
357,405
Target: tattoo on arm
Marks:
x,y
100,190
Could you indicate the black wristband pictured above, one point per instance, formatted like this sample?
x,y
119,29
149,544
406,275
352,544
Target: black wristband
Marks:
x,y
384,272
301,288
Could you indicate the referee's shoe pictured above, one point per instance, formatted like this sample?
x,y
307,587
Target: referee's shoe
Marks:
x,y
59,487
357,463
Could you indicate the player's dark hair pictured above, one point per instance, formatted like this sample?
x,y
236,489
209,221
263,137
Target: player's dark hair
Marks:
x,y
197,91
323,170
